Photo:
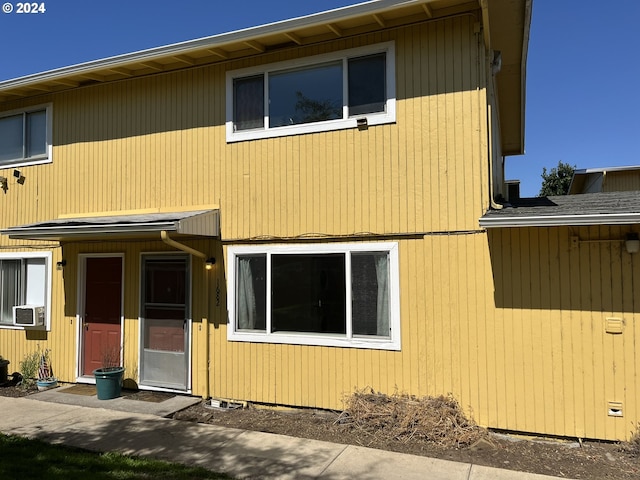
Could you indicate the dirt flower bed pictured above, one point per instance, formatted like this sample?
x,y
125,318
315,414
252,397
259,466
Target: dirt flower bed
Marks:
x,y
433,427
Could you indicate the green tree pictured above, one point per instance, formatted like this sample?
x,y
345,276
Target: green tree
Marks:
x,y
317,110
557,180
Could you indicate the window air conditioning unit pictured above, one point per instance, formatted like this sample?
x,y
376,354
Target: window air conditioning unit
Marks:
x,y
28,316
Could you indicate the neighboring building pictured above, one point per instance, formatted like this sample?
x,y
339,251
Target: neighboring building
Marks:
x,y
607,179
342,215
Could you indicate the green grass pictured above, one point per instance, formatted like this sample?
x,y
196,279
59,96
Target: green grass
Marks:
x,y
21,458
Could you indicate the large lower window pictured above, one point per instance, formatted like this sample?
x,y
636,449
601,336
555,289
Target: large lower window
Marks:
x,y
321,93
340,295
25,136
24,280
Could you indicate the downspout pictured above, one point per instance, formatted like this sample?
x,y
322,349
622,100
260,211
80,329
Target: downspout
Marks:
x,y
484,45
490,152
164,235
170,241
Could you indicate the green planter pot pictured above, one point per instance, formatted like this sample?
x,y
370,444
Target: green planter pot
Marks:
x,y
108,382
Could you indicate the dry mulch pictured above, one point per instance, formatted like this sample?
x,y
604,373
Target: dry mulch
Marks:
x,y
433,427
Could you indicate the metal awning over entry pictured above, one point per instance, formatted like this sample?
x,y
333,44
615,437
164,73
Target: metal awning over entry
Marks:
x,y
197,222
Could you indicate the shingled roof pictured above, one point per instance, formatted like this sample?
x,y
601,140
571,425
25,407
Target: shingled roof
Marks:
x,y
611,208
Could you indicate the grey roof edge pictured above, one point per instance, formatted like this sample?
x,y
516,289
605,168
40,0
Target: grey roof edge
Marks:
x,y
560,220
77,231
626,168
342,13
128,224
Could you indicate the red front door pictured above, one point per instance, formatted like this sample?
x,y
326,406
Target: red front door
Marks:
x,y
102,312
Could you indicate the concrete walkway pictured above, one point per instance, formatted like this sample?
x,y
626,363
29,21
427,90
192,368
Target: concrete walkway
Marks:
x,y
239,453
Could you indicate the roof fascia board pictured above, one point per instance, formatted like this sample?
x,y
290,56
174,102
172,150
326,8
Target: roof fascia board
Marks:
x,y
343,13
84,230
606,169
561,220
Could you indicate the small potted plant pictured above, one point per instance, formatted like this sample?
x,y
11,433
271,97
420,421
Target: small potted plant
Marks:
x,y
109,376
46,379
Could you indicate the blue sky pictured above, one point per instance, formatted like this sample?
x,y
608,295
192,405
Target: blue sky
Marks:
x,y
583,99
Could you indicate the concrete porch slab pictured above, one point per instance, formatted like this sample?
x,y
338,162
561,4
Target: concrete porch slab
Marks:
x,y
122,404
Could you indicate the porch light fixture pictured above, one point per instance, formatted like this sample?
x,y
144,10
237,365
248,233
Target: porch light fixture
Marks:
x,y
209,263
61,264
632,243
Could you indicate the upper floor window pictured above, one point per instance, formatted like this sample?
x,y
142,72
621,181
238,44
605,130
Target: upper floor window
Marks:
x,y
25,136
24,280
316,94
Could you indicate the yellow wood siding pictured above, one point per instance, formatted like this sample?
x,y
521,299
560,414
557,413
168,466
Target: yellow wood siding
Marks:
x,y
510,322
557,366
621,181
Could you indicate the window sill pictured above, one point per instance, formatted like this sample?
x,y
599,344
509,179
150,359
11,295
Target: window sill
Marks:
x,y
343,124
318,340
9,326
25,162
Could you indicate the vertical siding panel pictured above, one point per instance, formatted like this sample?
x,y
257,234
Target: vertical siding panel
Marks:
x,y
482,396
589,348
456,169
524,345
553,334
514,339
503,359
579,296
538,325
598,277
563,393
414,319
615,343
629,377
506,338
573,372
467,338
430,341
493,322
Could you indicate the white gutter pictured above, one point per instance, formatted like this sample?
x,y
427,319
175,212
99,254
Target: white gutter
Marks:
x,y
606,169
501,221
243,35
164,235
25,232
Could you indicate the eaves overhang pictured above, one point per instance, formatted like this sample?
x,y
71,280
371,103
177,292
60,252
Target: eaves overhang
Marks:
x,y
147,225
306,30
507,27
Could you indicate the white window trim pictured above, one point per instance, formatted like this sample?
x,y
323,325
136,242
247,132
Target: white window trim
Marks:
x,y
379,118
37,159
318,339
47,308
